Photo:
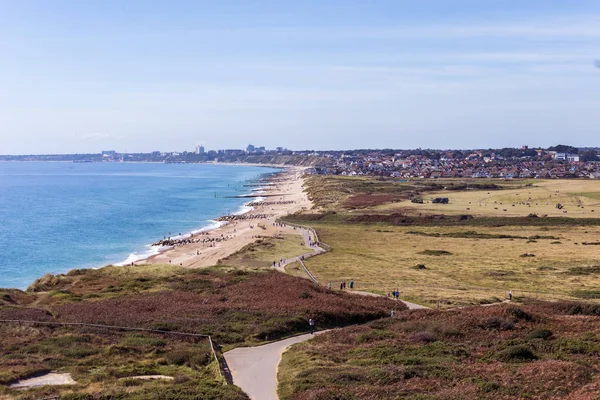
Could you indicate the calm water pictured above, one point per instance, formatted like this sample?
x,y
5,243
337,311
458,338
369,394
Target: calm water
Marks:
x,y
59,216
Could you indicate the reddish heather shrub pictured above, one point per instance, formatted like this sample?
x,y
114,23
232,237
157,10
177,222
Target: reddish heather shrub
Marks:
x,y
497,323
424,337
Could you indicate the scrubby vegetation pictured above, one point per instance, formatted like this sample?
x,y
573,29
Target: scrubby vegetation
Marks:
x,y
340,192
537,351
435,253
476,235
236,307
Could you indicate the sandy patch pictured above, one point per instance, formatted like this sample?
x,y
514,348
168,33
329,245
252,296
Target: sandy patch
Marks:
x,y
51,379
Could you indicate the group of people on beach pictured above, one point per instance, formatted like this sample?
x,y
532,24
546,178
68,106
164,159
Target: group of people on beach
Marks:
x,y
244,217
270,203
194,238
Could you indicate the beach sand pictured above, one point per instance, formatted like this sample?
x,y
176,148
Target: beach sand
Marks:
x,y
286,187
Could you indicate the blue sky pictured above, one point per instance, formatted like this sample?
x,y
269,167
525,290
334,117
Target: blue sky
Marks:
x,y
80,76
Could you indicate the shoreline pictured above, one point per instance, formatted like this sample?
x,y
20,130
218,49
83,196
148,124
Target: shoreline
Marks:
x,y
151,255
207,246
153,249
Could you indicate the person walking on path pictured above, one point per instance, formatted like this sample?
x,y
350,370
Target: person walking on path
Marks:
x,y
341,285
510,295
351,284
311,325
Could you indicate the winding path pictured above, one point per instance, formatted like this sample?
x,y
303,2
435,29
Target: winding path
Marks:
x,y
411,306
254,369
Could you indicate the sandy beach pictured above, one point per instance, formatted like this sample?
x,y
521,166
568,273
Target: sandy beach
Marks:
x,y
282,195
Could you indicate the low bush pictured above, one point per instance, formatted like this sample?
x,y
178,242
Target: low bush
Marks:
x,y
517,353
373,336
521,314
584,270
525,255
539,334
192,357
586,294
435,253
584,309
497,323
568,346
424,337
138,340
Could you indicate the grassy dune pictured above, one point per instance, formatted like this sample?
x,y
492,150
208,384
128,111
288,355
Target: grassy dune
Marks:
x,y
236,307
538,351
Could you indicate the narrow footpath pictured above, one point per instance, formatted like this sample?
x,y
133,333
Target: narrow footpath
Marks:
x,y
254,369
308,240
411,306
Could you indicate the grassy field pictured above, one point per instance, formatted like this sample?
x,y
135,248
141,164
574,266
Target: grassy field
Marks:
x,y
580,199
359,193
457,266
478,197
235,306
538,351
493,236
295,269
263,252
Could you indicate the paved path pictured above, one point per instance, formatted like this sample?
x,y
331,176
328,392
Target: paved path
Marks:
x,y
254,369
306,236
316,250
411,306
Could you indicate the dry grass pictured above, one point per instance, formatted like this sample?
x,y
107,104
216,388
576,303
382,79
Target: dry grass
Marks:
x,y
381,258
295,269
579,198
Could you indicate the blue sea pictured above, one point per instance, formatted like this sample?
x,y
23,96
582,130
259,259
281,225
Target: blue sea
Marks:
x,y
58,216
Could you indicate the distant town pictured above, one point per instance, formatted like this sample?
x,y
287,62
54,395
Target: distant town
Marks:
x,y
559,161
